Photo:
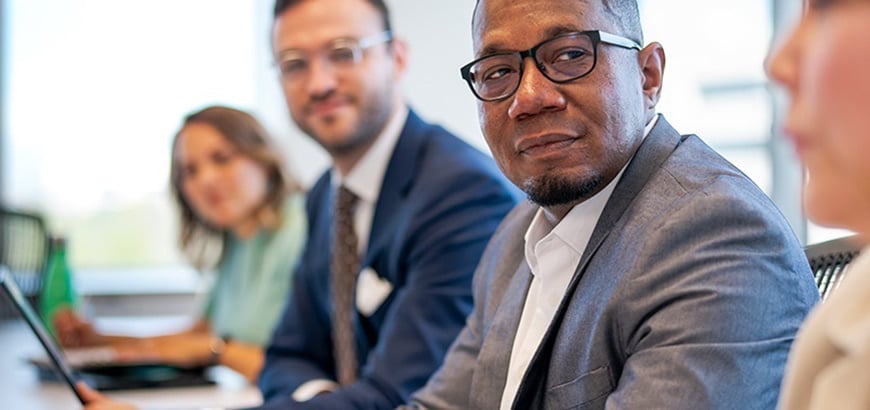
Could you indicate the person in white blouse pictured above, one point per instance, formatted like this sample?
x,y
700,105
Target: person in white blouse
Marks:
x,y
823,64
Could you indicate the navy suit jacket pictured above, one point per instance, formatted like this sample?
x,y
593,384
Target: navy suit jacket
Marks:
x,y
440,202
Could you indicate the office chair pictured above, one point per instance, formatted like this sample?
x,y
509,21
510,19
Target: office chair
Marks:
x,y
829,261
24,249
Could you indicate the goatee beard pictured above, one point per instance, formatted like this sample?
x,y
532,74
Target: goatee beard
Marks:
x,y
551,191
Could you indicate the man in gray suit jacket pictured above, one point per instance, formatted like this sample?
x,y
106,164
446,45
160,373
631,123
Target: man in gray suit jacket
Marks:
x,y
647,272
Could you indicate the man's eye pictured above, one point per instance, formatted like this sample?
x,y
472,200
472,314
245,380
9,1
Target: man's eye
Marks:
x,y
570,54
342,55
293,66
496,73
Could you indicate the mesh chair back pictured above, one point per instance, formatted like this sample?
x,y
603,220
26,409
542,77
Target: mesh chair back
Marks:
x,y
24,249
829,262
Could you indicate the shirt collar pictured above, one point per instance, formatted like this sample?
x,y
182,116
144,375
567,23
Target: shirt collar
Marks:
x,y
582,217
367,176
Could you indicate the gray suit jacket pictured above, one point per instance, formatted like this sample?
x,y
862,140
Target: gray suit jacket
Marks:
x,y
688,296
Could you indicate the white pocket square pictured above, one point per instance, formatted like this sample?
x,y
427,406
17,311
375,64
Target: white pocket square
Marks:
x,y
371,291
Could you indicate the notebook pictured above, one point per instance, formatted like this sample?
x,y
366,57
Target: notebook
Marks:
x,y
94,366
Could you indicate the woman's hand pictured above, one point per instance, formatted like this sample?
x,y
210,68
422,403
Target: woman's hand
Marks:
x,y
73,331
96,401
183,350
186,349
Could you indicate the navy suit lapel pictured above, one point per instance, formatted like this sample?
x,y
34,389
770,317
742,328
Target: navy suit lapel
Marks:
x,y
398,180
658,145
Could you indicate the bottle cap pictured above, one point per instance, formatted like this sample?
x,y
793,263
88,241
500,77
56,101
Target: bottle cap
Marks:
x,y
58,241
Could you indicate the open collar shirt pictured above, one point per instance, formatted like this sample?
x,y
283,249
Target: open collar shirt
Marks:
x,y
552,253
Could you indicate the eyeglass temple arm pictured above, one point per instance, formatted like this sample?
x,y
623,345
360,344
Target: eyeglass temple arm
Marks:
x,y
618,40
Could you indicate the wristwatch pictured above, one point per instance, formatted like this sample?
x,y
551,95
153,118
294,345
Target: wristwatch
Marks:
x,y
216,347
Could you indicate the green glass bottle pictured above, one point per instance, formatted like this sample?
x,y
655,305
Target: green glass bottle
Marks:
x,y
58,290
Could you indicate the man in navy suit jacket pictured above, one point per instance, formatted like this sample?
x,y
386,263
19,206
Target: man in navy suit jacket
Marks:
x,y
428,205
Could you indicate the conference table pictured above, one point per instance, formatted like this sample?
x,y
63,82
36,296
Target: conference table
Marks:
x,y
21,389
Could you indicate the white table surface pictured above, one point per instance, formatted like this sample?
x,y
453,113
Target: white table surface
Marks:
x,y
20,388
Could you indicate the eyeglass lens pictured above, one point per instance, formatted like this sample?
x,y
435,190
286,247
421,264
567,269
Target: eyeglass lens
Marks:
x,y
560,59
338,54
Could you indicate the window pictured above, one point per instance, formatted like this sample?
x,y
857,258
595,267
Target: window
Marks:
x,y
94,91
715,84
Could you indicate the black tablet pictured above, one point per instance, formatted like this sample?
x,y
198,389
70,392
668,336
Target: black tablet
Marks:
x,y
54,353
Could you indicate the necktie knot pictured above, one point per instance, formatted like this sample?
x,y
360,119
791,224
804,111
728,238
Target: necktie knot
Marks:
x,y
345,200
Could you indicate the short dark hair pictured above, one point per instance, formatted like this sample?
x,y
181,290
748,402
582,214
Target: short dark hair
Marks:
x,y
379,5
625,14
627,18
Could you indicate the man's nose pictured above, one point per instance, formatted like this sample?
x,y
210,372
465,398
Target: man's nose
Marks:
x,y
535,93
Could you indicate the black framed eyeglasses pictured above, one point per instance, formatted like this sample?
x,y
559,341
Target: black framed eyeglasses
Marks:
x,y
341,53
561,59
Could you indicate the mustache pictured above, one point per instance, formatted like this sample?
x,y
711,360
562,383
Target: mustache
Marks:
x,y
323,96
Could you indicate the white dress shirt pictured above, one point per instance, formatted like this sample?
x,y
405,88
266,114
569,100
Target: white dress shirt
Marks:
x,y
553,253
367,176
364,180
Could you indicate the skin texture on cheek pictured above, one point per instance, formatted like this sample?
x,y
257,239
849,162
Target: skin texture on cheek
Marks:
x,y
831,103
242,187
223,192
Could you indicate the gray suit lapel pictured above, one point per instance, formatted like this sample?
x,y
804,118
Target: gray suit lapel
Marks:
x,y
655,149
495,353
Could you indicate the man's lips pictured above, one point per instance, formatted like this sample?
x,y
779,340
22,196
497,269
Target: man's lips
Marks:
x,y
533,144
325,107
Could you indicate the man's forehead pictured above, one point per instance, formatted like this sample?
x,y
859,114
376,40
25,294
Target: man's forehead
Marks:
x,y
498,21
486,8
311,25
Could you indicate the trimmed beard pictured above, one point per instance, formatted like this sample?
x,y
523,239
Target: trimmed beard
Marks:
x,y
548,191
373,118
370,126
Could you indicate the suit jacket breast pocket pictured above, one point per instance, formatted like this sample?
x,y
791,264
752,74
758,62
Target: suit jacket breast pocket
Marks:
x,y
589,391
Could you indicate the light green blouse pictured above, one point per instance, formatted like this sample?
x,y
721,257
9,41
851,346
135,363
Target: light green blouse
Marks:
x,y
253,279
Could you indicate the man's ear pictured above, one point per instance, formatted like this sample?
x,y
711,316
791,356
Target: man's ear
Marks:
x,y
651,60
399,52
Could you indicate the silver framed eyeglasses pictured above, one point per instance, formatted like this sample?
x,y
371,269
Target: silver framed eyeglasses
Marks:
x,y
341,53
561,59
